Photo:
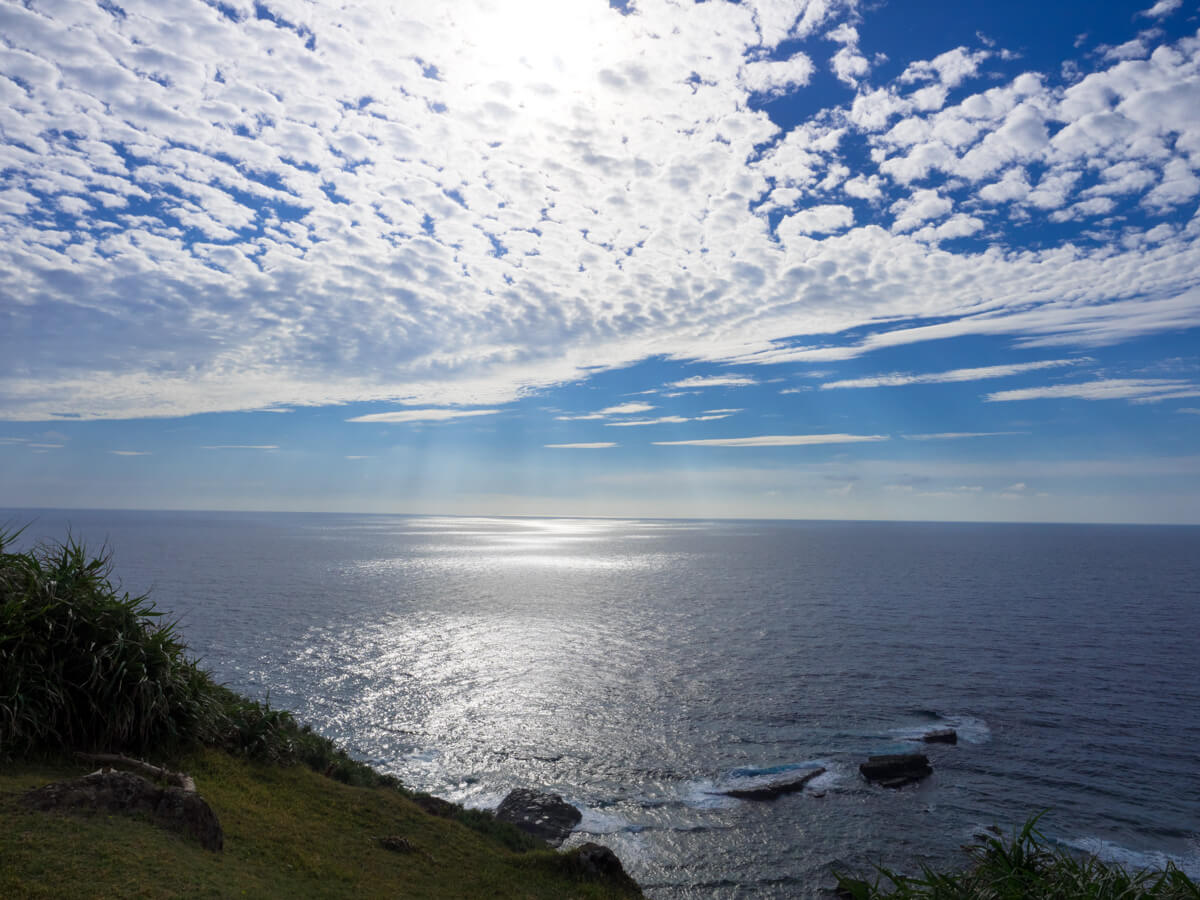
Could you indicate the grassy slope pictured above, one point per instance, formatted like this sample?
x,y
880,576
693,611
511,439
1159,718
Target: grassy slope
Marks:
x,y
288,832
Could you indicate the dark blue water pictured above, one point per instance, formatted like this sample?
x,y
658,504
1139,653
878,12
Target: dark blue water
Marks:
x,y
639,666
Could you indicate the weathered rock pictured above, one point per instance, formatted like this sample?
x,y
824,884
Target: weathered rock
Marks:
x,y
436,806
182,811
595,861
896,769
941,736
772,789
545,816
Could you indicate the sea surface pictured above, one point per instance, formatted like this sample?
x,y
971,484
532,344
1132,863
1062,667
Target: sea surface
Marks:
x,y
638,667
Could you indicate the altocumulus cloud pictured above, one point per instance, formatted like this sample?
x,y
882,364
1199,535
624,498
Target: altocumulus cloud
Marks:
x,y
250,205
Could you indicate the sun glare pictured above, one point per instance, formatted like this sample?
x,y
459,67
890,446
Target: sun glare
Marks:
x,y
538,43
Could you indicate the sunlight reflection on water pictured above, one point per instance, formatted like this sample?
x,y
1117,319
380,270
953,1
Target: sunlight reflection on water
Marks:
x,y
635,667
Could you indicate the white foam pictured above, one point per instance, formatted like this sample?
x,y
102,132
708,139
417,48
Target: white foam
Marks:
x,y
970,729
705,794
475,798
1133,860
596,821
834,774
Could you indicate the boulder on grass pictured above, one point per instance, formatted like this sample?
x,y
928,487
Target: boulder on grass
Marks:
x,y
545,816
185,812
895,770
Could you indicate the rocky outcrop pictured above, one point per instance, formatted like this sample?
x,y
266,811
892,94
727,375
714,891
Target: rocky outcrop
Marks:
x,y
545,816
772,789
597,862
941,736
436,806
185,812
895,770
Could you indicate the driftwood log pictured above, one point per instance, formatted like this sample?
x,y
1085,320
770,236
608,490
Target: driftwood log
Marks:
x,y
179,779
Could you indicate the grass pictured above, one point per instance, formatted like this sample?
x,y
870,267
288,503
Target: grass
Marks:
x,y
1025,866
289,831
85,666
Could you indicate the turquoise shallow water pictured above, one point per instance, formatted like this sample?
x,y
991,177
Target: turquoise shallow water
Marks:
x,y
640,666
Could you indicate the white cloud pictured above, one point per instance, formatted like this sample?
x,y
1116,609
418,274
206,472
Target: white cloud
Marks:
x,y
422,415
922,205
1161,8
240,447
1138,390
597,445
661,420
950,68
954,375
777,76
703,381
624,409
1190,410
130,452
864,187
822,219
848,63
439,205
777,440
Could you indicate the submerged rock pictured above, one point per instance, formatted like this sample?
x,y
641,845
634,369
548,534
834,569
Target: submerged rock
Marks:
x,y
941,736
896,769
772,789
182,811
545,816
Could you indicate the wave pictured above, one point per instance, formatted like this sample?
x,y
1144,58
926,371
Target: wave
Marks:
x,y
598,822
1134,860
970,729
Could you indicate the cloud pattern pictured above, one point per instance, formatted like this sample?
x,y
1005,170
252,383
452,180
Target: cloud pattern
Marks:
x,y
241,205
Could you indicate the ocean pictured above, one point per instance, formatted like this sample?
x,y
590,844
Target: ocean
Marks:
x,y
640,667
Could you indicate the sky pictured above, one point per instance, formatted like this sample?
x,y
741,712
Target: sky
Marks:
x,y
778,258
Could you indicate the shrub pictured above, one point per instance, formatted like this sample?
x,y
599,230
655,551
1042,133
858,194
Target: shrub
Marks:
x,y
85,666
1026,867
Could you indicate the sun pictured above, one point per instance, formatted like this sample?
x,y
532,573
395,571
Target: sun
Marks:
x,y
534,44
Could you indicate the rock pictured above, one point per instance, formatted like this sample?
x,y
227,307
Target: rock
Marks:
x,y
595,861
772,789
941,736
895,770
395,843
545,816
436,806
182,811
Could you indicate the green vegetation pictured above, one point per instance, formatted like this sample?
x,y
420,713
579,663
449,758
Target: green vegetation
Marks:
x,y
84,666
1026,867
289,832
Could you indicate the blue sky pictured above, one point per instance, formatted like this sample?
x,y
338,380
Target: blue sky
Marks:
x,y
778,258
